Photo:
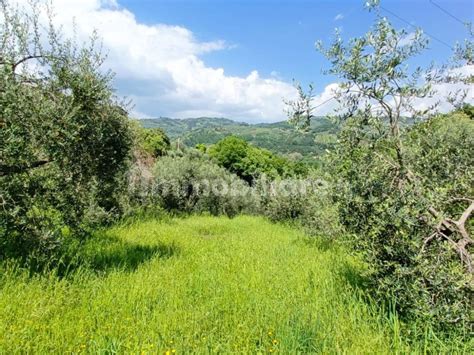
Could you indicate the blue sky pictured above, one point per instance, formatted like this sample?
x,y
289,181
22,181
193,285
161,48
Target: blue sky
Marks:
x,y
237,58
279,35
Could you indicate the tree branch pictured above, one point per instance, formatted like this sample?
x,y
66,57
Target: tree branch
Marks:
x,y
17,169
24,59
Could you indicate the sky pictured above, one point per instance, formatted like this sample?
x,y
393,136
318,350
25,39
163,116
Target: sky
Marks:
x,y
238,58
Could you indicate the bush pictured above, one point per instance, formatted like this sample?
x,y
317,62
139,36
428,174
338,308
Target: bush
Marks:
x,y
398,223
405,191
306,203
193,183
65,139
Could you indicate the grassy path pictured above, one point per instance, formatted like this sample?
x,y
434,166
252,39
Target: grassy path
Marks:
x,y
200,284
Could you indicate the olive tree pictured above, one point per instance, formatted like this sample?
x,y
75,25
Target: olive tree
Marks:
x,y
64,137
403,179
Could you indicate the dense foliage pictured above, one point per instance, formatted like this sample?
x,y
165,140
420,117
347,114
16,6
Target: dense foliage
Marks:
x,y
404,191
193,183
250,162
398,181
392,223
154,141
65,140
306,203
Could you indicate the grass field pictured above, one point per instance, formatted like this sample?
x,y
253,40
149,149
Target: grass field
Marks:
x,y
199,284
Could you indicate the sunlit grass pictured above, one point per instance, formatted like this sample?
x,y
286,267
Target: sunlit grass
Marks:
x,y
200,284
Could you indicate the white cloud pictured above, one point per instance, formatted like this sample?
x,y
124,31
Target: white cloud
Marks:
x,y
160,66
444,90
339,17
325,104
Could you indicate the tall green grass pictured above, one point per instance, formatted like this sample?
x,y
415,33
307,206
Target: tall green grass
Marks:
x,y
201,285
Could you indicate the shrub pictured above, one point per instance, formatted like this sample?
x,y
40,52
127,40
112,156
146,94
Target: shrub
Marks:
x,y
398,226
404,192
65,139
193,183
306,203
201,147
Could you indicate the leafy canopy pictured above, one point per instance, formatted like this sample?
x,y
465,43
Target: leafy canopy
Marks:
x,y
404,191
250,162
65,139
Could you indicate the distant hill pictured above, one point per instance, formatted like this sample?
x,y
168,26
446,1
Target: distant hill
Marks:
x,y
175,128
279,137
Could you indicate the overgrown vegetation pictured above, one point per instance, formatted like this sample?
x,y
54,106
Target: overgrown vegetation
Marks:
x,y
153,141
306,203
387,249
405,192
193,183
65,138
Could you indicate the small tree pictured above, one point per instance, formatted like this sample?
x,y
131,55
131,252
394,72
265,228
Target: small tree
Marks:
x,y
64,138
155,141
192,183
394,205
